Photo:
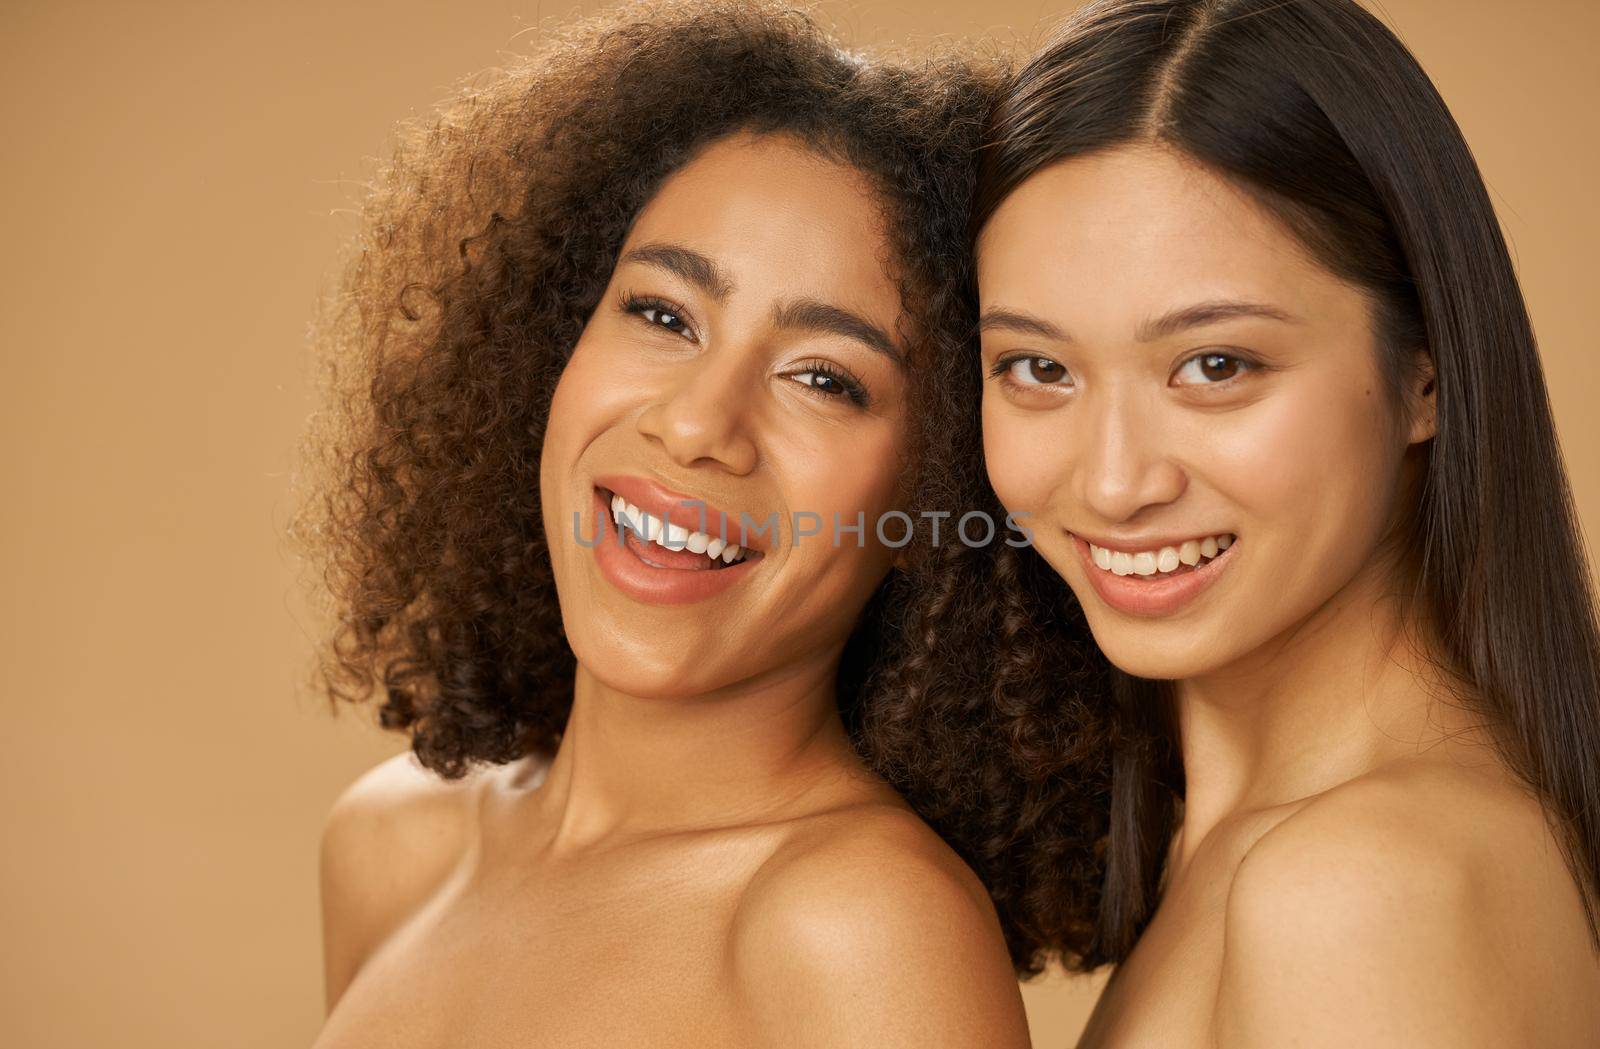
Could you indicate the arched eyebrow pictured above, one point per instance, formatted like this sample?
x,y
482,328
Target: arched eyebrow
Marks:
x,y
813,315
687,263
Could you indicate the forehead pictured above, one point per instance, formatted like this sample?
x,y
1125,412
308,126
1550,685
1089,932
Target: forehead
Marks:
x,y
1129,225
778,217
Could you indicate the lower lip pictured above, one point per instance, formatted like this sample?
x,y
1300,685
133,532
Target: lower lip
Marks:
x,y
651,584
1152,597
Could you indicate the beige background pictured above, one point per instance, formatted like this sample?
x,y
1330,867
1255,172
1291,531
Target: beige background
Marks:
x,y
175,189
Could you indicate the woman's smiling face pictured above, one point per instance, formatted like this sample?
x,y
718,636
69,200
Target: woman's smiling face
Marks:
x,y
1190,408
745,356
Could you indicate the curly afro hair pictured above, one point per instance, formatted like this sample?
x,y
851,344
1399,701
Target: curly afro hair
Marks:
x,y
486,244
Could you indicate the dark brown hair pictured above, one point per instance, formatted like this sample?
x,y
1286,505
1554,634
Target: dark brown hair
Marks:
x,y
1317,110
486,246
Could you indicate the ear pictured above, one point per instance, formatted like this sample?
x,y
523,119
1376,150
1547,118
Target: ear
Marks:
x,y
1421,398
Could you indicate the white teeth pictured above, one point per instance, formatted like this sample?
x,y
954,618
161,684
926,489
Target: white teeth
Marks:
x,y
672,536
1158,562
627,516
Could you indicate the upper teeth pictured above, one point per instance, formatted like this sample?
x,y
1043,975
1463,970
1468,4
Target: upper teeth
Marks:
x,y
673,537
1166,559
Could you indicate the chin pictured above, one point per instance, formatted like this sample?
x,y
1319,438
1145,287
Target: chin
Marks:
x,y
1159,651
646,668
1130,660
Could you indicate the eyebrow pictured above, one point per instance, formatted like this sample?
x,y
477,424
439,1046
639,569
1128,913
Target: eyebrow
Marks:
x,y
1208,313
1170,323
812,315
687,263
1000,318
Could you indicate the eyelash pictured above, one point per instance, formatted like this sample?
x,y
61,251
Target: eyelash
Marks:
x,y
1001,369
850,386
640,305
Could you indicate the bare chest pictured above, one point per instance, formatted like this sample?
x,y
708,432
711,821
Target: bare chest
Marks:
x,y
629,952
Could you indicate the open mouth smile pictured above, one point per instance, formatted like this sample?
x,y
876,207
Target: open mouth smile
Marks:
x,y
646,548
659,542
1159,579
1162,561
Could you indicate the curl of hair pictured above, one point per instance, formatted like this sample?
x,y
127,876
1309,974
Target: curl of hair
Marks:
x,y
992,716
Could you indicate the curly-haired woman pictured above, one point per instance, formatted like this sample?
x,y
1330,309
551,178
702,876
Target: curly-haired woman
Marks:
x,y
690,259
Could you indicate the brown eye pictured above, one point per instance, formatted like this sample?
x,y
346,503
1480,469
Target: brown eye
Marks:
x,y
832,383
1036,371
665,318
1209,368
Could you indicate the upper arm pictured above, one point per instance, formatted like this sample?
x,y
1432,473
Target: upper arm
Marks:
x,y
1345,928
388,841
855,945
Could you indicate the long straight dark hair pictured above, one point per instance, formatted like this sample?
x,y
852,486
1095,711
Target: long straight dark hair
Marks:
x,y
1317,110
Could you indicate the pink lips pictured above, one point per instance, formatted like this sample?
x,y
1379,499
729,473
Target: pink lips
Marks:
x,y
648,572
1149,596
685,511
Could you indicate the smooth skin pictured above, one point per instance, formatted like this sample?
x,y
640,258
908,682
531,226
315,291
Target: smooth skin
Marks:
x,y
1355,865
705,862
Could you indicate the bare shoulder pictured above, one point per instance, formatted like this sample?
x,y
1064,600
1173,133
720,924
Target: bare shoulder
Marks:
x,y
1423,905
397,804
389,841
865,927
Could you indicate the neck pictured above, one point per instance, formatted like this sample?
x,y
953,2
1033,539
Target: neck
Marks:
x,y
1346,690
630,765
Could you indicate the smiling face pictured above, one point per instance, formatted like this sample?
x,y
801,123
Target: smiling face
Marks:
x,y
1188,405
744,358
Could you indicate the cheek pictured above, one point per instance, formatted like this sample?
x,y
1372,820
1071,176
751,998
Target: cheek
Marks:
x,y
600,377
600,384
854,471
555,456
571,409
1024,454
591,397
1311,471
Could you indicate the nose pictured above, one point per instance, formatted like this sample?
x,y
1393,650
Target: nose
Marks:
x,y
702,416
1125,465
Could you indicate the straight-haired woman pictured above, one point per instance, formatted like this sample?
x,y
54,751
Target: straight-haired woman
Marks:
x,y
1257,366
